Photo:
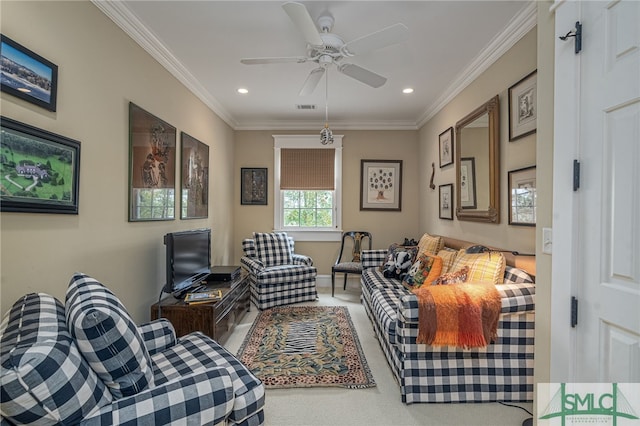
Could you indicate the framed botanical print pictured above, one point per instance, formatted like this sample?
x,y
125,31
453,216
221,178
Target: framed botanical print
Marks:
x,y
523,107
381,185
446,147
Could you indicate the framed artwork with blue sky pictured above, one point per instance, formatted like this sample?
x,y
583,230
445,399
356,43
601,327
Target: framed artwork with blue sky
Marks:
x,y
27,75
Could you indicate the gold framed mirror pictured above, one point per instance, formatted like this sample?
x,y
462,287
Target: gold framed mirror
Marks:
x,y
478,164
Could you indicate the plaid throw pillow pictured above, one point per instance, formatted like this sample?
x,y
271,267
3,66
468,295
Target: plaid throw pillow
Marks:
x,y
107,337
273,249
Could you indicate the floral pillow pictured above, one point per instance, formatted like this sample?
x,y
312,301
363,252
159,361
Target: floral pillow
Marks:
x,y
424,270
456,277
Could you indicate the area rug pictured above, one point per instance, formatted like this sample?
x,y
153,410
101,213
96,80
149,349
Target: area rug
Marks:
x,y
306,346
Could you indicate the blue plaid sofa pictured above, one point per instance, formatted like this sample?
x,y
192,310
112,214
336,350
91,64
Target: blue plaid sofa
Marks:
x,y
501,371
277,275
86,362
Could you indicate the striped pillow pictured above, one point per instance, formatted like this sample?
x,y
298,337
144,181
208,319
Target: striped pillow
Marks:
x,y
107,337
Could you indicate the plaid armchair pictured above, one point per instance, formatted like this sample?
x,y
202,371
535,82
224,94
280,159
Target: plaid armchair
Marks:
x,y
87,363
277,276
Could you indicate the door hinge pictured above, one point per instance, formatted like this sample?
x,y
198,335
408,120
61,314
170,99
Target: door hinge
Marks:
x,y
576,175
577,33
574,312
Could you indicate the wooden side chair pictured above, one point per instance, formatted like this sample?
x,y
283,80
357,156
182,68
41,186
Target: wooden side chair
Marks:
x,y
355,240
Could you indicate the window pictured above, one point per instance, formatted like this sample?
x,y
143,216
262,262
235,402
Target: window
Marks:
x,y
154,203
308,187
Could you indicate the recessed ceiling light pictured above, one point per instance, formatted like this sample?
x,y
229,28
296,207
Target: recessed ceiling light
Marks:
x,y
407,90
243,91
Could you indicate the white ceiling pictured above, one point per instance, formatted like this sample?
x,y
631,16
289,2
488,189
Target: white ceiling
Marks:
x,y
202,42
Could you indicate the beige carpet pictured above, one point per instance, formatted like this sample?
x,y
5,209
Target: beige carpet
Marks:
x,y
380,405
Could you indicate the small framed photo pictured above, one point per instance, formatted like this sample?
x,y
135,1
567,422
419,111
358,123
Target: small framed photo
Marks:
x,y
522,196
446,147
446,201
194,201
254,186
381,185
40,170
27,75
523,107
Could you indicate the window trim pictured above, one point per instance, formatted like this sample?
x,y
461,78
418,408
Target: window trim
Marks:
x,y
307,141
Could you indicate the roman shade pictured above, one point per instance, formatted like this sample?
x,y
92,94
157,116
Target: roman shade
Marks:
x,y
307,169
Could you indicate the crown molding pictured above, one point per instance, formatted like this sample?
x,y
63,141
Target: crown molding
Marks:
x,y
317,125
517,28
124,18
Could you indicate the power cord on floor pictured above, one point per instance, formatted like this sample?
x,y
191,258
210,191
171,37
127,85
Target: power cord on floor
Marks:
x,y
526,422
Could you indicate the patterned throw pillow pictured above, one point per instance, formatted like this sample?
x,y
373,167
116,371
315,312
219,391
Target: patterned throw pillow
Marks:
x,y
45,379
423,271
448,258
456,277
392,254
430,244
273,249
107,337
483,267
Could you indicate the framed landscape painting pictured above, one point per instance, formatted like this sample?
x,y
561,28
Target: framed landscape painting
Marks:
x,y
39,170
381,185
27,75
194,201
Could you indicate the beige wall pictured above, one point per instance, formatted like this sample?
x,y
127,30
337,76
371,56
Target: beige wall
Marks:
x,y
100,70
519,61
544,170
255,149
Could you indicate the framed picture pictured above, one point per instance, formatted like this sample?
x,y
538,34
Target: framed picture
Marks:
x,y
446,147
381,185
253,186
194,200
152,167
468,183
523,107
522,196
27,75
446,201
40,171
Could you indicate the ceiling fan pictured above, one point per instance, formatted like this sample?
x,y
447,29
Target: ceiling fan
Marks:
x,y
325,48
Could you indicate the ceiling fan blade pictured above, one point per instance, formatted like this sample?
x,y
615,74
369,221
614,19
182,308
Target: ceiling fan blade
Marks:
x,y
302,20
312,81
385,37
257,61
363,75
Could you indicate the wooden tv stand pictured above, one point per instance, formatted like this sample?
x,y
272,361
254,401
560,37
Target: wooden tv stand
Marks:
x,y
216,319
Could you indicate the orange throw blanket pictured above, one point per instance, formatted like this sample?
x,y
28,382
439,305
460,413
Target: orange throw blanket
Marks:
x,y
463,315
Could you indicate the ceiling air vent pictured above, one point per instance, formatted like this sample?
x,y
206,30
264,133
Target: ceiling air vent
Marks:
x,y
305,106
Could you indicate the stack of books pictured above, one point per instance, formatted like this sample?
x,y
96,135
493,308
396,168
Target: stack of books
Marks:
x,y
203,297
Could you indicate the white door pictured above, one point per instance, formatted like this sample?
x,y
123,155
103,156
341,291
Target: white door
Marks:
x,y
608,235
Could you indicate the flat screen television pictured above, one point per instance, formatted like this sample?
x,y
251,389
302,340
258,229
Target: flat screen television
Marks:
x,y
188,255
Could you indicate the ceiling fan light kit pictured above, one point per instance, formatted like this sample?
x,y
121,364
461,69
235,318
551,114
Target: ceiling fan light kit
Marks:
x,y
325,48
